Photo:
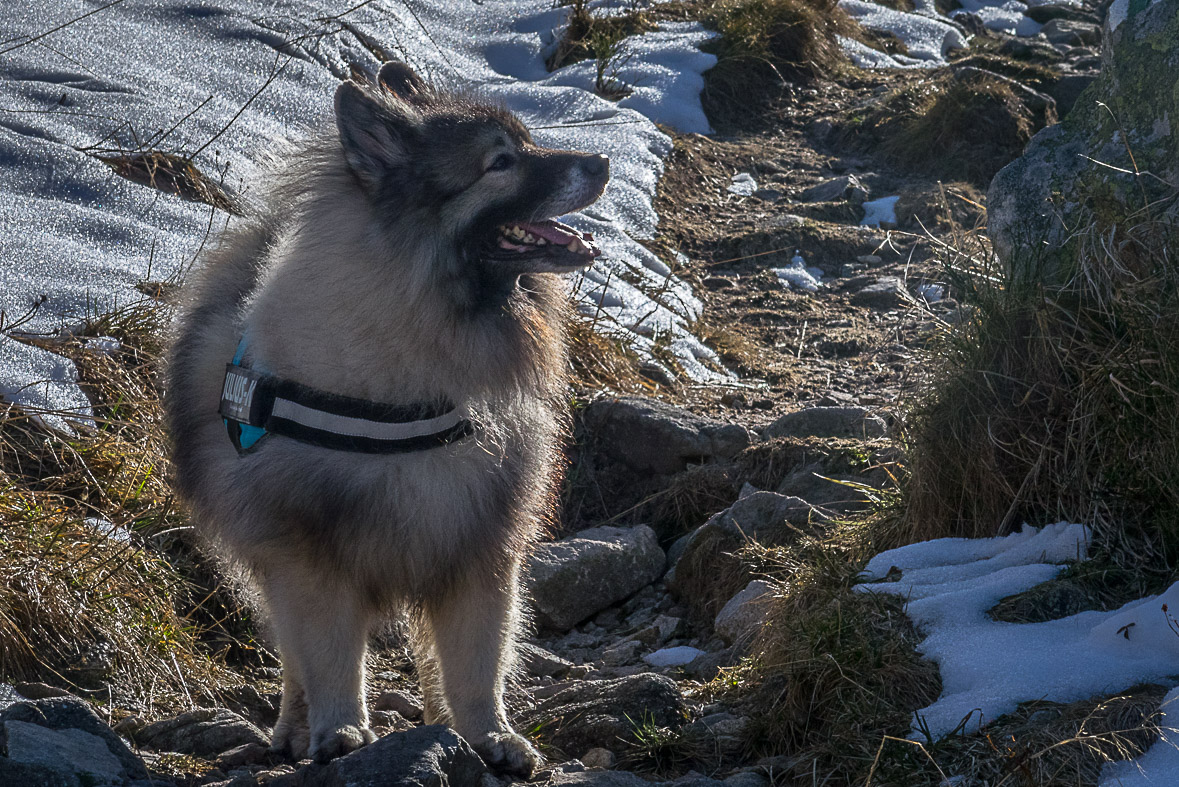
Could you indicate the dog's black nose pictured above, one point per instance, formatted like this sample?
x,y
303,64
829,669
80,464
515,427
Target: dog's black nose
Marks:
x,y
596,166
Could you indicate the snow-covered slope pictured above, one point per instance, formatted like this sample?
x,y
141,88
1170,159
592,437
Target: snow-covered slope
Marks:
x,y
226,79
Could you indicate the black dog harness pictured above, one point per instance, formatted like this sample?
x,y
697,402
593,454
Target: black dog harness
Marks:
x,y
255,404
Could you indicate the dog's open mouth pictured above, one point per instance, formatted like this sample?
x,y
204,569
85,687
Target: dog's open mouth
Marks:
x,y
544,246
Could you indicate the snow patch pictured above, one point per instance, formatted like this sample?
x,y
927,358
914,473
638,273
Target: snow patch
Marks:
x,y
742,184
880,211
926,39
799,276
1158,766
989,667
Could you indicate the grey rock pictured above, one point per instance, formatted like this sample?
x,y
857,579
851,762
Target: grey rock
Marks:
x,y
815,484
574,578
38,691
1068,88
542,663
598,757
652,436
722,732
1072,32
400,702
246,754
693,779
430,756
663,628
389,719
744,614
203,732
599,779
1046,12
846,421
622,653
887,292
591,714
706,667
844,188
71,755
71,715
746,779
1128,108
759,516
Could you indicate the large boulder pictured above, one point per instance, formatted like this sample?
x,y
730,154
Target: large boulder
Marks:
x,y
653,436
1080,174
571,579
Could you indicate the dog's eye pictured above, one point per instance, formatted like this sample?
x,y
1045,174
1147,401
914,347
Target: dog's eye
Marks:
x,y
501,162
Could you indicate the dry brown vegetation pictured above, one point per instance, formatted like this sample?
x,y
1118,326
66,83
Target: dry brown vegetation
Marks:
x,y
97,587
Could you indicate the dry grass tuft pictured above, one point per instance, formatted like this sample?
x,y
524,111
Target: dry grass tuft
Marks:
x,y
92,596
1057,402
964,126
600,361
763,44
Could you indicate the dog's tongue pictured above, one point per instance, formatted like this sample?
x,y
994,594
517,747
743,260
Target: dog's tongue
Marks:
x,y
552,231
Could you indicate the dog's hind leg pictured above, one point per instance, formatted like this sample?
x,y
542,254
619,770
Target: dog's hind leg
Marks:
x,y
474,627
321,625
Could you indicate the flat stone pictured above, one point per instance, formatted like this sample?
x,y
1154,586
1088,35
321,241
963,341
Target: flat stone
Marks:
x,y
843,188
847,421
573,579
400,702
203,732
652,436
887,292
542,663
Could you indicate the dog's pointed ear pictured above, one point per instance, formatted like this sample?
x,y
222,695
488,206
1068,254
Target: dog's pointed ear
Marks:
x,y
402,81
373,134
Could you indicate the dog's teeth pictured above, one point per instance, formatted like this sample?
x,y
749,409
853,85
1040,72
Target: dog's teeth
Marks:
x,y
576,245
528,238
541,242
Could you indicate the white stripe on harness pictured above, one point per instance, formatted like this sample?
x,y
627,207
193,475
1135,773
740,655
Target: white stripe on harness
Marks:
x,y
361,427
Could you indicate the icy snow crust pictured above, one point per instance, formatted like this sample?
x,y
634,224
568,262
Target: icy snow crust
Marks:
x,y
989,667
929,36
83,237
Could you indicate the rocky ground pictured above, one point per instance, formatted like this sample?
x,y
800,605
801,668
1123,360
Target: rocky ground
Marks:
x,y
642,604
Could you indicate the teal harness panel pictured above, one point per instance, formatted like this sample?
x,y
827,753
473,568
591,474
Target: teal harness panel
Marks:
x,y
247,434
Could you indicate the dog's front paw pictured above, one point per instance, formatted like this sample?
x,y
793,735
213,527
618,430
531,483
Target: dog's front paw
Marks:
x,y
338,741
290,740
508,752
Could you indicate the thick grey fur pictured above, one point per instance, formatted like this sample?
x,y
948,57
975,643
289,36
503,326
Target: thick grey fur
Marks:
x,y
368,274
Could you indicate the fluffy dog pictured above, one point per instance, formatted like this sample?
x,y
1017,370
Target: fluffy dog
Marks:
x,y
366,398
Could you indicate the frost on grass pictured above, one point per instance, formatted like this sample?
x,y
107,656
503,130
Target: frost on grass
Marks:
x,y
989,667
